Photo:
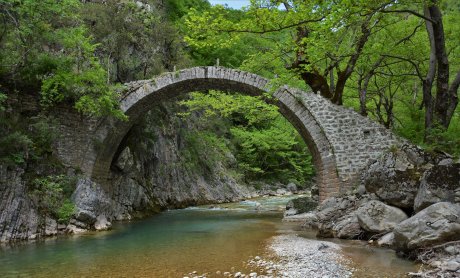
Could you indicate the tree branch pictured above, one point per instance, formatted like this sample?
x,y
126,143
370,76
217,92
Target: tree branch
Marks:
x,y
410,35
409,12
417,69
281,28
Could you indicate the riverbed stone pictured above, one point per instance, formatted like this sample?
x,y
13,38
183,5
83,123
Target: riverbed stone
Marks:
x,y
435,224
451,265
377,217
438,184
387,240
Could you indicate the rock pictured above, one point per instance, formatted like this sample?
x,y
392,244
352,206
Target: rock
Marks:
x,y
451,265
387,240
314,190
292,187
347,228
297,217
361,190
438,184
394,178
90,200
326,221
281,191
435,224
301,205
79,224
377,217
446,162
19,218
125,160
290,212
451,250
310,221
102,223
72,229
51,227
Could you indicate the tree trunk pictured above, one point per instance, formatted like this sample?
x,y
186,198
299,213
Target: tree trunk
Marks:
x,y
442,100
428,81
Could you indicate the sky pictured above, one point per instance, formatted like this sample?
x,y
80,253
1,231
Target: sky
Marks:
x,y
236,4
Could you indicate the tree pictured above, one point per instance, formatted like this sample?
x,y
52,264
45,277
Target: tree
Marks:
x,y
327,38
44,48
440,107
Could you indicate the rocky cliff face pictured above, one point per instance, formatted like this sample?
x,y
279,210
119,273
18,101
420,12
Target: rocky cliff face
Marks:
x,y
18,217
162,156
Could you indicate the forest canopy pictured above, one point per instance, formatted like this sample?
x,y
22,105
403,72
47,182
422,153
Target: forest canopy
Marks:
x,y
395,61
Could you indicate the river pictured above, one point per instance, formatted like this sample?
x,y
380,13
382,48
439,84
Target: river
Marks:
x,y
174,243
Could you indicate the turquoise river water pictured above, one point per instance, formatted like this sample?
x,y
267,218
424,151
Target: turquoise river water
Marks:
x,y
174,243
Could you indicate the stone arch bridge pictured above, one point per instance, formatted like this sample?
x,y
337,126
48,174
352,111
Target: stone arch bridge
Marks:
x,y
341,141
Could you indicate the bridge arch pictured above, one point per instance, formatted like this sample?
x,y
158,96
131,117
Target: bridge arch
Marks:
x,y
340,140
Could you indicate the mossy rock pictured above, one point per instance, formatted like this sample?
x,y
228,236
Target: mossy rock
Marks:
x,y
302,204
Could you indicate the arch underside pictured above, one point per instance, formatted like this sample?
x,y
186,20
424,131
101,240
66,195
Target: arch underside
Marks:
x,y
141,95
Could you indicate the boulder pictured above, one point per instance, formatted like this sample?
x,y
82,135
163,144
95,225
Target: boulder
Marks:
x,y
72,229
90,200
438,184
387,240
292,187
435,224
310,221
347,228
335,216
394,178
301,205
290,212
326,219
102,223
377,217
451,265
281,192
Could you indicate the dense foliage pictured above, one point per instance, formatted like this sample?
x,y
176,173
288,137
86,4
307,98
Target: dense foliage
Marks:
x,y
44,48
395,61
265,145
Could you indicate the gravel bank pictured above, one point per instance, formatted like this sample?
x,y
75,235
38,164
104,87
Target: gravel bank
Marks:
x,y
293,257
300,257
